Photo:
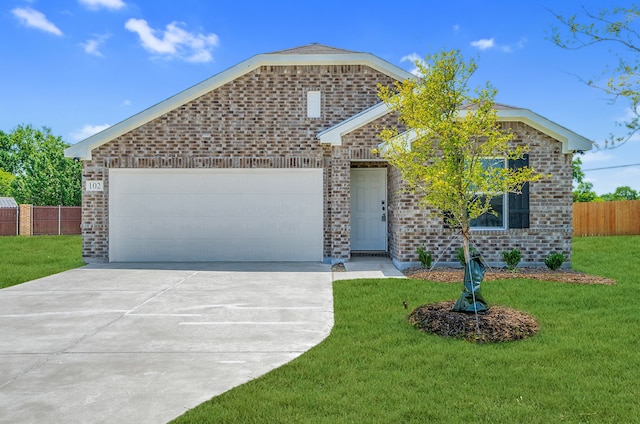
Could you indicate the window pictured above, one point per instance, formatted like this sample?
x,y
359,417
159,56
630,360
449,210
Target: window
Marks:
x,y
496,219
512,210
313,104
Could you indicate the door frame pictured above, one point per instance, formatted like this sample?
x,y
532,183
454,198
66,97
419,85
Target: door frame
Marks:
x,y
384,171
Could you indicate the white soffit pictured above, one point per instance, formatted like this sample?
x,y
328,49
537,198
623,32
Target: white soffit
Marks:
x,y
82,149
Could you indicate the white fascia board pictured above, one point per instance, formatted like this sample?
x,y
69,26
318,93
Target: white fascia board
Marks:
x,y
571,142
334,134
82,150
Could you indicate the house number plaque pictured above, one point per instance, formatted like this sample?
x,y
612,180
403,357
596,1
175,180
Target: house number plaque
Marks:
x,y
94,186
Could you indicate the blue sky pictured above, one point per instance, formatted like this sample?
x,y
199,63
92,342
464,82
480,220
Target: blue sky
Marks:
x,y
77,66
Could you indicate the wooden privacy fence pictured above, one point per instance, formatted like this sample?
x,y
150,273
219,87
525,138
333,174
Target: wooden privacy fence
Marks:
x,y
606,218
8,221
55,220
40,220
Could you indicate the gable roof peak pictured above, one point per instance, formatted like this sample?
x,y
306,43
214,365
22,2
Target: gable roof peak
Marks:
x,y
312,54
313,48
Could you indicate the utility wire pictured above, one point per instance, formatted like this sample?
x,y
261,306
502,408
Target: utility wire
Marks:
x,y
611,167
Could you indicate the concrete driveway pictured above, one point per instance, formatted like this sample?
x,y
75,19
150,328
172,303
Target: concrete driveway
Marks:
x,y
143,343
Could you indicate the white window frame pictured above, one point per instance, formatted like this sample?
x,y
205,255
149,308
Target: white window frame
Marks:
x,y
505,205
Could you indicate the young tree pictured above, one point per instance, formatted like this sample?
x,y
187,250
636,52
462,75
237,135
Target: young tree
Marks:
x,y
454,149
617,29
43,175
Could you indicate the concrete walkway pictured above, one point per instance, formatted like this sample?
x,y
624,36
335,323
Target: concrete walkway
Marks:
x,y
144,343
368,267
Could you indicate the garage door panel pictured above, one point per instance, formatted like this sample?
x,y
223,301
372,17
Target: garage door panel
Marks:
x,y
212,215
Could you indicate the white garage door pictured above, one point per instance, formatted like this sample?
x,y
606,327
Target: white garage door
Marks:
x,y
186,215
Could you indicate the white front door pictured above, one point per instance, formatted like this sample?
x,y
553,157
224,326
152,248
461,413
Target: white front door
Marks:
x,y
368,209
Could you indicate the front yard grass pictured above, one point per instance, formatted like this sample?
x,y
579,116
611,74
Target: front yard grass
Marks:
x,y
583,366
28,258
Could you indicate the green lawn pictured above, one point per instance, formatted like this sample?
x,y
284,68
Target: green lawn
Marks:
x,y
28,258
583,366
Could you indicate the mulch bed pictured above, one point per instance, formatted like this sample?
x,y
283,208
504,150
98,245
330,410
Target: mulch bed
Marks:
x,y
456,275
499,324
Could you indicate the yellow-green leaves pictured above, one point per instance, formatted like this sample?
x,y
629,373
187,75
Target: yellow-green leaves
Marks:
x,y
451,131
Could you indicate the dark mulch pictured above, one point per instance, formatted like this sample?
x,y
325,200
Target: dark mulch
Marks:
x,y
456,275
499,324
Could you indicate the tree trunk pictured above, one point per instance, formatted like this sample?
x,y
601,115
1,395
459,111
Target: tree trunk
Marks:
x,y
471,299
465,243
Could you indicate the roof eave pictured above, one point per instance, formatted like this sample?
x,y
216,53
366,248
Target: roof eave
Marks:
x,y
571,142
333,135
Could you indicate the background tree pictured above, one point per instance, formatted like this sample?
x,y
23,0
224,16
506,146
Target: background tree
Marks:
x,y
43,175
583,192
6,178
621,193
453,139
578,175
618,29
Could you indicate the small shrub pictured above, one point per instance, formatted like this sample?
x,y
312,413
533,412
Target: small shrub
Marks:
x,y
512,258
460,254
425,257
554,261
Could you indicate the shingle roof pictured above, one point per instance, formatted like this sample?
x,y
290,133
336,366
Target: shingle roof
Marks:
x,y
314,48
496,106
8,202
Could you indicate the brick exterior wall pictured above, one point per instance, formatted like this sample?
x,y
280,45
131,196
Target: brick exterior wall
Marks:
x,y
259,120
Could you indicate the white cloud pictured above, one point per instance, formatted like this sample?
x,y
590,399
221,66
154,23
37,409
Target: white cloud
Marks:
x,y
483,43
87,131
174,41
127,102
107,4
413,58
629,114
596,156
456,28
490,43
34,19
92,45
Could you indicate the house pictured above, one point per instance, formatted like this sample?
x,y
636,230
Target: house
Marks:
x,y
271,160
